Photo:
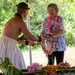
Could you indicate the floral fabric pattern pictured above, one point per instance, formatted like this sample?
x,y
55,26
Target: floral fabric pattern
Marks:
x,y
59,41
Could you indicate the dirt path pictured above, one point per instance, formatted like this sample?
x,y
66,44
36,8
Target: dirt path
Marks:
x,y
40,57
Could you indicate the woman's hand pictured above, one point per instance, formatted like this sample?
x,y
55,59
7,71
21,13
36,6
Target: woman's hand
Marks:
x,y
44,36
49,35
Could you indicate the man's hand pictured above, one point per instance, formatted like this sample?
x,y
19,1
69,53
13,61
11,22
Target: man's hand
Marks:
x,y
21,42
26,42
31,43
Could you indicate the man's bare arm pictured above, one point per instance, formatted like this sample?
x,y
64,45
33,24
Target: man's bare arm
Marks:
x,y
27,33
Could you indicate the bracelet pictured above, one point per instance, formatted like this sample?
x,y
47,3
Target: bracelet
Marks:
x,y
39,39
26,42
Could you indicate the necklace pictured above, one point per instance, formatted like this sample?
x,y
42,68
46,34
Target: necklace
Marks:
x,y
18,15
49,51
48,21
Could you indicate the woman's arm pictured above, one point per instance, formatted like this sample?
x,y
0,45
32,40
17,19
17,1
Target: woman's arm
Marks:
x,y
61,29
57,34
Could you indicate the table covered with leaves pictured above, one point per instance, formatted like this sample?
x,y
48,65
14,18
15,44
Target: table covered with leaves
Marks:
x,y
7,68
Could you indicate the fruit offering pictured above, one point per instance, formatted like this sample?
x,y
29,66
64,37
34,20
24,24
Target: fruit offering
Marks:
x,y
64,65
51,69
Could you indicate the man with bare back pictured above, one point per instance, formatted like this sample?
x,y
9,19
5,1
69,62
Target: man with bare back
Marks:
x,y
12,30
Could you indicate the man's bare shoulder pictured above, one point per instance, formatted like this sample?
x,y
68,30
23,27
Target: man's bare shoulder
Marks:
x,y
12,26
18,21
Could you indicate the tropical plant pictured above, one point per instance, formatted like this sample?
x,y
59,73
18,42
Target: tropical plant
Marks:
x,y
38,7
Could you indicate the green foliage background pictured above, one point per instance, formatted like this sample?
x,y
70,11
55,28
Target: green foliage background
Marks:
x,y
38,7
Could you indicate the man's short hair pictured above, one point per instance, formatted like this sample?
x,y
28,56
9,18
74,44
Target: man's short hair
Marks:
x,y
23,5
